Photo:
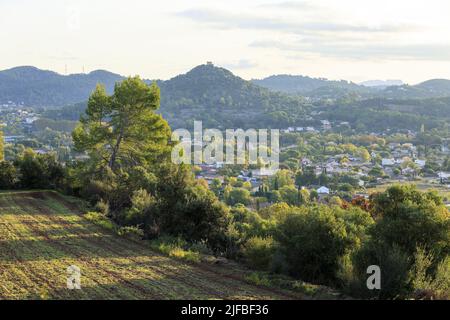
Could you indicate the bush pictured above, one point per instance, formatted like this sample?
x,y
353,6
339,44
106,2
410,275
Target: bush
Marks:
x,y
426,283
249,223
314,240
9,176
410,242
258,279
141,204
409,219
134,233
395,265
235,196
100,220
39,171
258,253
102,207
176,248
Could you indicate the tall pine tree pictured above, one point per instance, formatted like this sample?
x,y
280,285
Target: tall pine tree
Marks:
x,y
123,131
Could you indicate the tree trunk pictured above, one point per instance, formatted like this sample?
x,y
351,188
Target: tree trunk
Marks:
x,y
112,161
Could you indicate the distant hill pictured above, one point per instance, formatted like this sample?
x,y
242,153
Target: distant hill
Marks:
x,y
436,88
312,87
291,84
217,97
223,100
34,87
321,88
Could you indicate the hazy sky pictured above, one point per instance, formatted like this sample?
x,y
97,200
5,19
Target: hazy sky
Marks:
x,y
347,39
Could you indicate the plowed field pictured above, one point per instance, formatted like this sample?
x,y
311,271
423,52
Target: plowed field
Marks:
x,y
43,233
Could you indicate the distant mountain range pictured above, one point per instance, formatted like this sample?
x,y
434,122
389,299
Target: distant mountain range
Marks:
x,y
34,87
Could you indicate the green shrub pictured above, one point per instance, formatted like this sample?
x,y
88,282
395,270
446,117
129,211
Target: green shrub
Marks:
x,y
102,207
395,266
314,240
100,220
175,247
258,279
141,204
9,175
427,283
258,253
408,218
131,232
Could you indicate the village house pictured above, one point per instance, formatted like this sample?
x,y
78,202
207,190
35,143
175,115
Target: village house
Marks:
x,y
387,162
263,173
444,177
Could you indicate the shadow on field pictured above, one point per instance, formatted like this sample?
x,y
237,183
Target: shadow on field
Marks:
x,y
76,246
147,289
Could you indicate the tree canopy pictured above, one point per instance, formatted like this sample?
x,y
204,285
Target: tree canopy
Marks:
x,y
122,130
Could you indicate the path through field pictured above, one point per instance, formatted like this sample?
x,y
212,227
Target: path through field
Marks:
x,y
41,234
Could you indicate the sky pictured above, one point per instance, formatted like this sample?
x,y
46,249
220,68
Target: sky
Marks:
x,y
356,40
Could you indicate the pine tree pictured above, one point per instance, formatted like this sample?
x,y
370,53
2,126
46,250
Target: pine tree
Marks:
x,y
122,130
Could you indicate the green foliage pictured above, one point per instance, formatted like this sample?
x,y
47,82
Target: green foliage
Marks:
x,y
130,170
189,209
100,220
426,283
313,240
176,248
306,177
281,179
410,242
102,207
45,88
409,219
258,253
394,265
134,233
258,279
9,176
222,100
291,195
38,171
235,196
140,202
122,130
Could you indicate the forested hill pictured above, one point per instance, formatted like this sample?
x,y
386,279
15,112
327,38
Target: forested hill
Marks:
x,y
34,87
291,84
218,98
323,88
436,88
205,85
313,87
221,100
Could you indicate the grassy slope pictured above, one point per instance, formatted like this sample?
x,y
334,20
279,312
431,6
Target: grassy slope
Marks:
x,y
41,234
